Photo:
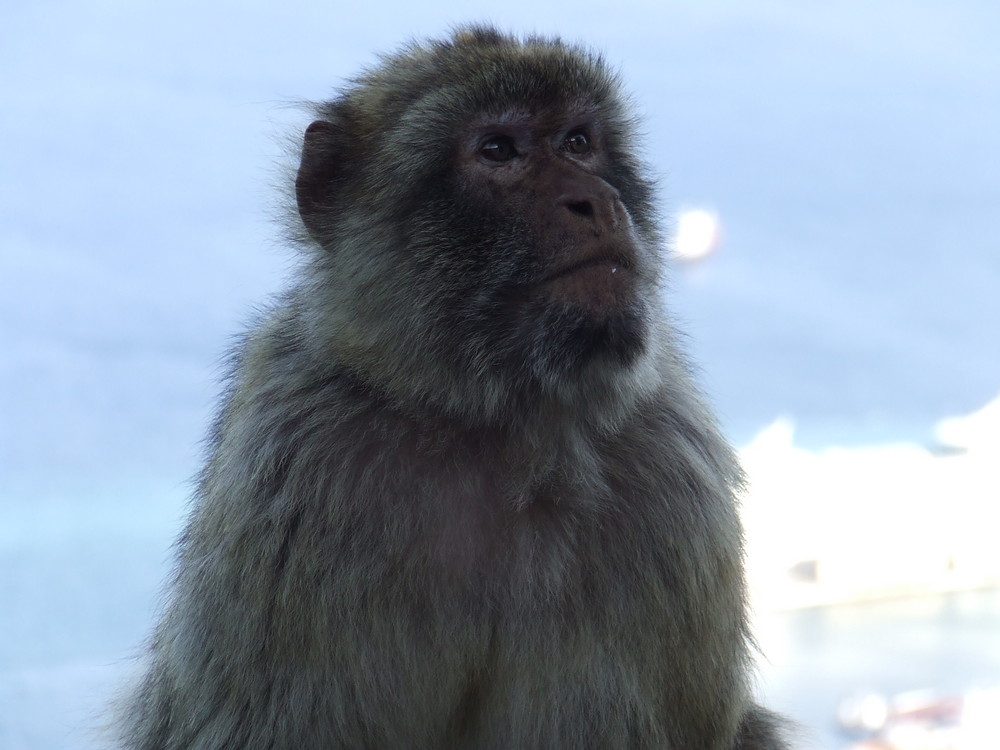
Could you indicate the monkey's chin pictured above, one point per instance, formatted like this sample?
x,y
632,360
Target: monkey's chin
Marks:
x,y
594,315
582,340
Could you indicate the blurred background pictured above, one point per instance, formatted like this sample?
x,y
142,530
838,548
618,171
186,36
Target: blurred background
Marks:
x,y
832,174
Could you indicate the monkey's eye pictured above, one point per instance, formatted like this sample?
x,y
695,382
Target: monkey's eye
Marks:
x,y
498,148
577,142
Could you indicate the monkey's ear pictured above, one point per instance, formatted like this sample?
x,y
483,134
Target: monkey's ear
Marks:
x,y
318,172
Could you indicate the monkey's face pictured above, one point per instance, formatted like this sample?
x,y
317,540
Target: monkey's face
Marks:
x,y
544,178
561,277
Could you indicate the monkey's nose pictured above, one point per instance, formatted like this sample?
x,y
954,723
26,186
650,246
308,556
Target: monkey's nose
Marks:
x,y
597,209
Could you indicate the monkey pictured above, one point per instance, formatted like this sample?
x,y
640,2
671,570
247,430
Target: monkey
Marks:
x,y
462,491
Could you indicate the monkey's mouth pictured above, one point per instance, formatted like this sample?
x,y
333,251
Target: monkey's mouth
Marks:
x,y
608,263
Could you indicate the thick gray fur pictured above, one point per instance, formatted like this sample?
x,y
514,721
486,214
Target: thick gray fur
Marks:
x,y
423,525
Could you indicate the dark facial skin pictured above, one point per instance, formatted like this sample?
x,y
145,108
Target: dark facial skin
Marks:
x,y
550,170
581,272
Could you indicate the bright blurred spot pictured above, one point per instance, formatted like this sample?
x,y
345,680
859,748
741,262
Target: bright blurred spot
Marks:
x,y
698,234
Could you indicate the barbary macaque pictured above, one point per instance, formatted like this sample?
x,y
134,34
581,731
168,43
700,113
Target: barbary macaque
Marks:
x,y
462,492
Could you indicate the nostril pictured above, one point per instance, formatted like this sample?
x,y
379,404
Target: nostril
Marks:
x,y
581,208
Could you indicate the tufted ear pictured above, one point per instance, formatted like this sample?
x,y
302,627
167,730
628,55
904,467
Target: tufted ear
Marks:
x,y
318,172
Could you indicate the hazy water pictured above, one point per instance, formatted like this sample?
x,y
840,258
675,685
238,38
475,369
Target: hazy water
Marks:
x,y
816,657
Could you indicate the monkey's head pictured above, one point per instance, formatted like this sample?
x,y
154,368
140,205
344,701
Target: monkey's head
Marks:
x,y
483,237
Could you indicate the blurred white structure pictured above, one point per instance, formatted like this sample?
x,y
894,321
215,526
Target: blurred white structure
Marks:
x,y
979,431
843,525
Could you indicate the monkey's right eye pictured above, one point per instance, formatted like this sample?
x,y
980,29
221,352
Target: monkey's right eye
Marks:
x,y
498,148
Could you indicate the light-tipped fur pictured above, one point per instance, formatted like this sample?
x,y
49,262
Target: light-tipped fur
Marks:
x,y
427,521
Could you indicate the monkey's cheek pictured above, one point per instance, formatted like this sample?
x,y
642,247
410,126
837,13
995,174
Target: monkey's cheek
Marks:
x,y
598,288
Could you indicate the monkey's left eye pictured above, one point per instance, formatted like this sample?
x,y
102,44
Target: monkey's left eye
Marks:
x,y
498,148
577,142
